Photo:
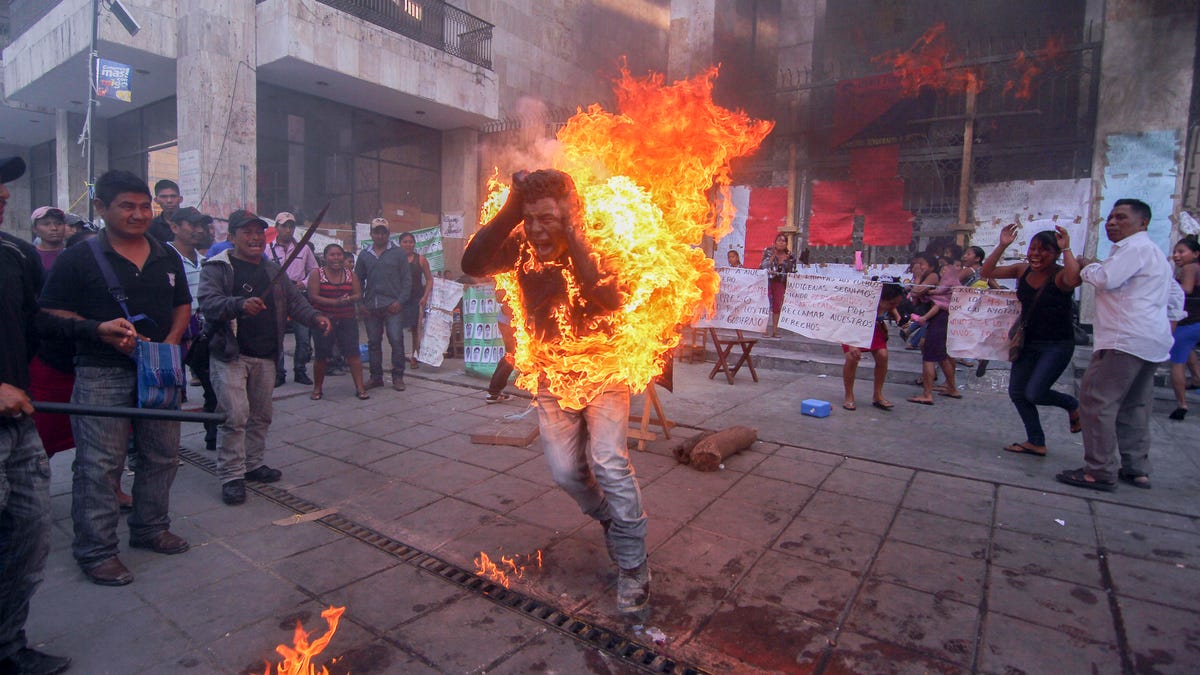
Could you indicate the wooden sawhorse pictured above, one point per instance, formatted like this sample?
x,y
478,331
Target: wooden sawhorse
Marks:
x,y
723,349
642,431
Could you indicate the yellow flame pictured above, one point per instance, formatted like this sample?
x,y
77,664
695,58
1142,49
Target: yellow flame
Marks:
x,y
298,660
645,176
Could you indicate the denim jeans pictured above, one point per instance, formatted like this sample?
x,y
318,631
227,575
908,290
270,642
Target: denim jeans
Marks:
x,y
1030,384
101,444
377,322
244,387
24,527
303,353
589,459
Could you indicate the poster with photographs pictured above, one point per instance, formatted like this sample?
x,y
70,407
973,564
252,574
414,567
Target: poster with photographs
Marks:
x,y
482,345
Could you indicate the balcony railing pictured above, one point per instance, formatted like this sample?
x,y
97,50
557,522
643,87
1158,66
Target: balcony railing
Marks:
x,y
432,22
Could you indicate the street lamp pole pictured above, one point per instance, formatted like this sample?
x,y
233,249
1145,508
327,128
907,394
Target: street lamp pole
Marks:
x,y
91,113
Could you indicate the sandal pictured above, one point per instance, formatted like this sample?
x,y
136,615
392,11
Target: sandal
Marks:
x,y
1081,478
363,395
883,405
1178,414
1021,448
914,399
947,394
849,406
1076,422
416,365
1142,482
316,396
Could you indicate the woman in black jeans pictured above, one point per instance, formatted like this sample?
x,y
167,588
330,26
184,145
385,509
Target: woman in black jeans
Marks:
x,y
1044,289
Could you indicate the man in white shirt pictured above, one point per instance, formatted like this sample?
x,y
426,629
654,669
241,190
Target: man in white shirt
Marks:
x,y
304,264
1136,300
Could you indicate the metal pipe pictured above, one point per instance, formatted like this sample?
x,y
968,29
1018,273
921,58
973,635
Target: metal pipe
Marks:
x,y
127,412
91,114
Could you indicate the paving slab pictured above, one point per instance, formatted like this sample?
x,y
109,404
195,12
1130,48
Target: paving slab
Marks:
x,y
841,545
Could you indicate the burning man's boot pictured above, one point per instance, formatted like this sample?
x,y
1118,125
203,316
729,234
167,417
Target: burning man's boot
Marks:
x,y
633,589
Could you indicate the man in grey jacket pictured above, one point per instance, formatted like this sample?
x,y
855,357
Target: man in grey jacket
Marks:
x,y
246,337
386,277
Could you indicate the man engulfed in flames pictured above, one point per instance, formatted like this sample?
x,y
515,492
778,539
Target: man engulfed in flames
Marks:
x,y
601,278
564,292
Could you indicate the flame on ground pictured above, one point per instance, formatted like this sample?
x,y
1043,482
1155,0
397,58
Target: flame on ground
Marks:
x,y
646,176
508,568
297,660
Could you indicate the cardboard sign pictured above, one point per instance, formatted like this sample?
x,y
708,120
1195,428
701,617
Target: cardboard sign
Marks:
x,y
831,310
979,323
438,325
741,302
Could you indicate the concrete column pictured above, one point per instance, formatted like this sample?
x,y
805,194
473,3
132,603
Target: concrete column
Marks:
x,y
461,188
72,164
690,50
217,139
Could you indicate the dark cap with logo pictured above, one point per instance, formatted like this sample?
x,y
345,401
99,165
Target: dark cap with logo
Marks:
x,y
191,214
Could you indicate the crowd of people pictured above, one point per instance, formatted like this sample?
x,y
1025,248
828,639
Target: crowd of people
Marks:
x,y
76,304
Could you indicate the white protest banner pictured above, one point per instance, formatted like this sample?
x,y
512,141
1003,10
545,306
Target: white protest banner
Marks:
x,y
890,271
832,310
439,320
741,301
979,323
831,271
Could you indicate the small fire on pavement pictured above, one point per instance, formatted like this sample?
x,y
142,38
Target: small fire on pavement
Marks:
x,y
297,660
507,568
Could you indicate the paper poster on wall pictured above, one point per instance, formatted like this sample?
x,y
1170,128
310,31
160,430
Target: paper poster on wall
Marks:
x,y
831,310
979,323
739,200
1141,166
438,325
741,301
1038,205
452,225
482,345
189,177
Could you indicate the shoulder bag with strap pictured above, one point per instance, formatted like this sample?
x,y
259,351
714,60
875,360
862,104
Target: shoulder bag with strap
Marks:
x,y
159,365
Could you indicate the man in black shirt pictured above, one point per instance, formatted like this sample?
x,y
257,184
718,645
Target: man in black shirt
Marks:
x,y
25,499
246,337
166,195
155,288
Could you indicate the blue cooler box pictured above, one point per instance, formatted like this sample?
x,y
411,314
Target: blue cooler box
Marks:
x,y
815,407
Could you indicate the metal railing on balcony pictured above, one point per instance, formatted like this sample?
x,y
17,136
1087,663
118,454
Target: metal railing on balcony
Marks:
x,y
431,22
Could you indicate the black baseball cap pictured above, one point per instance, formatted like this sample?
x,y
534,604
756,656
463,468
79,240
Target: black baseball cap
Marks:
x,y
191,215
11,168
242,218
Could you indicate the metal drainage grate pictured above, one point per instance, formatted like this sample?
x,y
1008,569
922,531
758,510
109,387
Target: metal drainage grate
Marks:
x,y
641,656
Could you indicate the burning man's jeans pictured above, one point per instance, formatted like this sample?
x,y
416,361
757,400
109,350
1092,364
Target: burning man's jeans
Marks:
x,y
589,459
244,387
377,322
101,444
24,527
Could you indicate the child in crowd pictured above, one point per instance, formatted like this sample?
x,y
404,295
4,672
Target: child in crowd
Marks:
x,y
889,299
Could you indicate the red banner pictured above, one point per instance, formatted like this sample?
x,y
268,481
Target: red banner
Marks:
x,y
832,219
765,215
860,102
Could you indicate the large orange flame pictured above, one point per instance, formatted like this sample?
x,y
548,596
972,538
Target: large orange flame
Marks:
x,y
1029,65
298,660
927,64
645,176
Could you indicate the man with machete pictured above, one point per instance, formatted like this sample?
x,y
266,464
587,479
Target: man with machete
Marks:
x,y
246,308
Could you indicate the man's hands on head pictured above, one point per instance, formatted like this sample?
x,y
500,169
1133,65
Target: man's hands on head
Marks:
x,y
14,402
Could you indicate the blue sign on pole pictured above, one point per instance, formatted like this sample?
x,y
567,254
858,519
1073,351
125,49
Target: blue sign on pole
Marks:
x,y
112,80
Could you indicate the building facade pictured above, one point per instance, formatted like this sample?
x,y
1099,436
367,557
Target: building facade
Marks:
x,y
402,108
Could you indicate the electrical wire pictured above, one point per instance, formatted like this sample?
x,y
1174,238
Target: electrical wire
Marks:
x,y
228,122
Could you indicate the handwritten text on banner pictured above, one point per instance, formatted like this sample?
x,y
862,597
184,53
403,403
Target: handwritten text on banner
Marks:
x,y
741,302
979,323
830,309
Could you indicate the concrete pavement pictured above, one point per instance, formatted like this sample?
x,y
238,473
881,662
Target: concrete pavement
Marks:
x,y
869,541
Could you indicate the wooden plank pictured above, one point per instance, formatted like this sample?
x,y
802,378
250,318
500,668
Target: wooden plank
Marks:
x,y
517,435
